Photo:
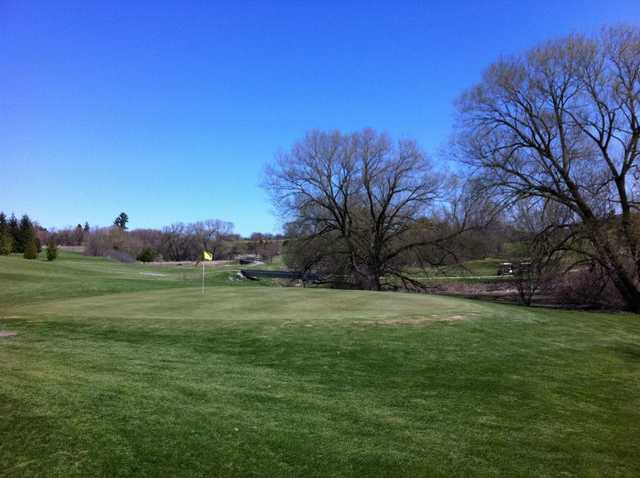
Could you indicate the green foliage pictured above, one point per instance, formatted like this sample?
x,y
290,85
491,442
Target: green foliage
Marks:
x,y
146,255
25,235
52,249
6,243
14,231
121,221
78,235
4,226
31,249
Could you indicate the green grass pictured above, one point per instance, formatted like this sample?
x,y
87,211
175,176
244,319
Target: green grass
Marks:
x,y
479,267
114,372
479,270
74,275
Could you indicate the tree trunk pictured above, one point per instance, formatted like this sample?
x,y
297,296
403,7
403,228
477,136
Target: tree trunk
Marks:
x,y
627,288
367,277
615,268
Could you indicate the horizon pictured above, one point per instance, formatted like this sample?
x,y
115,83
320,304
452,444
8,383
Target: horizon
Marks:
x,y
170,112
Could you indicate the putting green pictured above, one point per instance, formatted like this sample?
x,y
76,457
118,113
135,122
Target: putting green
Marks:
x,y
274,304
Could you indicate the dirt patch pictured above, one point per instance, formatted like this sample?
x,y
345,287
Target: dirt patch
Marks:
x,y
420,320
7,333
189,263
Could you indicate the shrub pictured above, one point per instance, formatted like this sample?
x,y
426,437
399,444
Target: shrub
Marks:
x,y
6,244
31,249
104,241
119,256
588,287
146,255
52,249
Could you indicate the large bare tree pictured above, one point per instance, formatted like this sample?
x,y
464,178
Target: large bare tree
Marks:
x,y
560,125
366,195
210,234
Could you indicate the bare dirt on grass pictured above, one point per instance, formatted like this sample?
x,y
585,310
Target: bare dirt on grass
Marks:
x,y
7,333
189,263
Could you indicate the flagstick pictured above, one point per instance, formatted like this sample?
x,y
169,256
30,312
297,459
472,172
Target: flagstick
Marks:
x,y
203,278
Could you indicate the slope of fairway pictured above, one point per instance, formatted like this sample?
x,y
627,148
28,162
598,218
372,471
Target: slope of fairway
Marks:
x,y
117,373
74,275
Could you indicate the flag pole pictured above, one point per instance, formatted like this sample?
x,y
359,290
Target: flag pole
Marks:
x,y
202,277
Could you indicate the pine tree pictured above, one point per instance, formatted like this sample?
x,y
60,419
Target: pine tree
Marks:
x,y
86,227
78,235
26,233
31,249
30,242
52,249
121,221
14,231
6,243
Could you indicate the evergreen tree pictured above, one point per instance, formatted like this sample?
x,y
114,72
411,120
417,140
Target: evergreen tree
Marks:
x,y
78,235
14,230
121,221
26,233
52,249
86,227
31,248
146,255
6,243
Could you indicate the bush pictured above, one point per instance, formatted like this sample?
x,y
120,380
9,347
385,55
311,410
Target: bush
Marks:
x,y
52,249
119,256
6,244
109,242
588,287
146,255
31,249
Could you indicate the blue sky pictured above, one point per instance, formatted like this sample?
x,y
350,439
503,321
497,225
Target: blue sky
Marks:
x,y
169,110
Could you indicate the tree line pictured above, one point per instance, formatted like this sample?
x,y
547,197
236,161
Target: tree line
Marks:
x,y
176,242
22,237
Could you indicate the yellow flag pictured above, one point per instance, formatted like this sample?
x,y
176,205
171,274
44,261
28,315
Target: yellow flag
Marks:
x,y
207,256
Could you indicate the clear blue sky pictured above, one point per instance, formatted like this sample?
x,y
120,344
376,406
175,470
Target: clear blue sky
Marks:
x,y
169,110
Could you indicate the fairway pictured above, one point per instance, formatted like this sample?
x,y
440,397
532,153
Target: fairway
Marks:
x,y
126,370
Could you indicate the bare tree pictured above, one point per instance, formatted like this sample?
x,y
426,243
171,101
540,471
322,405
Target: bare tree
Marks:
x,y
541,247
366,193
176,243
561,124
210,234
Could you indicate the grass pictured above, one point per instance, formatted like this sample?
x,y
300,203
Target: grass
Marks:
x,y
473,271
479,267
74,275
114,372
